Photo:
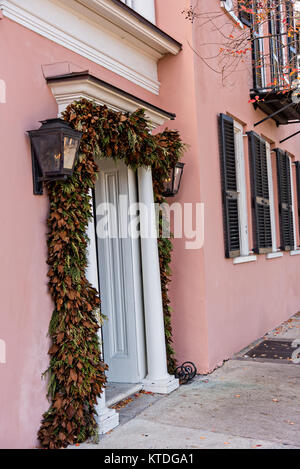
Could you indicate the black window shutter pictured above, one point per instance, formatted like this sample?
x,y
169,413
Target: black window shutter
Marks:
x,y
245,16
285,201
229,187
261,211
297,164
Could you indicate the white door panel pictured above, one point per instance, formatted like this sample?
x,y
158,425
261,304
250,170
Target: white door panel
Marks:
x,y
119,273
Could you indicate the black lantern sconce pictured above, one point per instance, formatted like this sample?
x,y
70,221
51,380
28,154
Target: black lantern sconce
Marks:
x,y
172,184
54,149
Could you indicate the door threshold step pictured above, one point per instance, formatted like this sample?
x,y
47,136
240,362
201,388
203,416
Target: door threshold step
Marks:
x,y
117,392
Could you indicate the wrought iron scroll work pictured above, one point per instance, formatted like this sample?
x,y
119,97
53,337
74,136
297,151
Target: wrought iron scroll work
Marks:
x,y
186,372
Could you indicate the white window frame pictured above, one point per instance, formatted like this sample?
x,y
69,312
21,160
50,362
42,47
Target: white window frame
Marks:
x,y
145,8
285,48
262,52
227,6
128,3
275,251
296,250
242,196
273,15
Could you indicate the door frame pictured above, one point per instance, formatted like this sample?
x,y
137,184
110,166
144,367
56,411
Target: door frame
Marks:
x,y
66,91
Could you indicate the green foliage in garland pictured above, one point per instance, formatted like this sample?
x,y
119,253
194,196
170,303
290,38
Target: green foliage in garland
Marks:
x,y
77,371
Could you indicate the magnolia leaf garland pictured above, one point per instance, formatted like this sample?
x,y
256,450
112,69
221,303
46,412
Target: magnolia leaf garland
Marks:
x,y
77,372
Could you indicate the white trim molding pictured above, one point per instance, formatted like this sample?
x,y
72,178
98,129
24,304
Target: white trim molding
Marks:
x,y
107,419
158,380
241,188
227,6
245,254
69,88
293,205
274,255
103,31
146,8
275,251
244,259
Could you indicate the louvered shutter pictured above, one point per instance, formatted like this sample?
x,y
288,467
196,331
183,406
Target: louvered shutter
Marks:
x,y
285,201
297,163
245,16
229,187
261,209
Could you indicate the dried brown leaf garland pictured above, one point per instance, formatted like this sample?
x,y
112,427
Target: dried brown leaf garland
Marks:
x,y
76,371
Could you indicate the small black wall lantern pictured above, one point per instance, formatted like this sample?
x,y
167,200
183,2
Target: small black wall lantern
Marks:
x,y
172,184
54,149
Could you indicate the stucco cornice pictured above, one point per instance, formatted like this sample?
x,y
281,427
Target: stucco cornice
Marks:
x,y
130,21
104,31
75,86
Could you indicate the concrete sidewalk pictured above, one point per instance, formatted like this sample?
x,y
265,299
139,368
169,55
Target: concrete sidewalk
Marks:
x,y
244,404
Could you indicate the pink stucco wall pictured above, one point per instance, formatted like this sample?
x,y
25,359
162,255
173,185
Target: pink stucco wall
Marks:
x,y
236,304
26,307
242,301
179,92
218,307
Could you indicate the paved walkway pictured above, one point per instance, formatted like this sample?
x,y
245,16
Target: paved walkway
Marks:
x,y
244,404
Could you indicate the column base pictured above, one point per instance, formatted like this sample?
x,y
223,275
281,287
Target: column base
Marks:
x,y
161,386
107,420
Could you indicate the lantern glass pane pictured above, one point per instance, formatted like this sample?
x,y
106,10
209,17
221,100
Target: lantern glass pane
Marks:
x,y
168,186
177,178
48,151
70,150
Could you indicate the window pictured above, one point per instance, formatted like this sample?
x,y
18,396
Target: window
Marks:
x,y
228,4
260,188
245,12
228,7
145,8
292,38
233,188
286,205
276,45
258,57
274,54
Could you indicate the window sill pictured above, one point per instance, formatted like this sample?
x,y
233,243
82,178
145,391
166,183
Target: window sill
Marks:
x,y
274,255
231,15
244,259
296,252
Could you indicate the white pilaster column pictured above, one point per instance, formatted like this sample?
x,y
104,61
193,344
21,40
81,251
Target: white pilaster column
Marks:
x,y
158,380
107,418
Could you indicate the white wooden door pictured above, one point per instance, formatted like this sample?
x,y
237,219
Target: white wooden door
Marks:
x,y
119,274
